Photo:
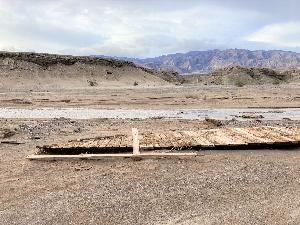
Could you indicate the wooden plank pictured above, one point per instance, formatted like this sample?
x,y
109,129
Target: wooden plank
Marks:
x,y
290,133
105,142
209,136
108,156
127,141
189,138
226,137
135,141
173,139
124,141
166,140
257,132
148,140
186,139
157,139
119,141
200,140
109,143
179,139
219,139
252,138
240,137
12,142
276,135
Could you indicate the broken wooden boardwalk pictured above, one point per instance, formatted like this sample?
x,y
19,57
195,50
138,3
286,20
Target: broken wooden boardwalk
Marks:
x,y
222,138
211,138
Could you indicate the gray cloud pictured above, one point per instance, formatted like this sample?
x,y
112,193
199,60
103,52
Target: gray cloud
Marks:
x,y
142,28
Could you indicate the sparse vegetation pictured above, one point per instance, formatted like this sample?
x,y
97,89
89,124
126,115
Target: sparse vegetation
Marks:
x,y
192,96
6,133
240,76
92,83
212,122
239,83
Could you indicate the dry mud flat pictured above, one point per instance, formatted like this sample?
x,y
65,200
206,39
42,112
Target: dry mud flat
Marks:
x,y
224,187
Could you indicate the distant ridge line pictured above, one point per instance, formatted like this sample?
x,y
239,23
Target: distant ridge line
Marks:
x,y
212,60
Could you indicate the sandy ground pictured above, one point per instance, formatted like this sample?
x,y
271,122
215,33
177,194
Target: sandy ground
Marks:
x,y
217,187
160,97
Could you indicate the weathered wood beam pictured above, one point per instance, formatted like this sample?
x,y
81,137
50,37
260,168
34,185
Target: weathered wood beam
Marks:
x,y
108,156
135,141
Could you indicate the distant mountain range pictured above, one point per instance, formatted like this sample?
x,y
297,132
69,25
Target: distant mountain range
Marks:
x,y
212,60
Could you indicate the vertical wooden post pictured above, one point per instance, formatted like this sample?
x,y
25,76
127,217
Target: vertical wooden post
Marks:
x,y
135,141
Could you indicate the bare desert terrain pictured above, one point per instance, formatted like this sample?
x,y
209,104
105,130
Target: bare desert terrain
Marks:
x,y
259,186
159,97
216,187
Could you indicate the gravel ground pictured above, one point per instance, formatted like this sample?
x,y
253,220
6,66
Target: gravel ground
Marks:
x,y
217,187
261,187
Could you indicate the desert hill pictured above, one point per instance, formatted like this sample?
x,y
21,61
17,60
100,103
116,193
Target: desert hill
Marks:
x,y
209,61
36,71
240,76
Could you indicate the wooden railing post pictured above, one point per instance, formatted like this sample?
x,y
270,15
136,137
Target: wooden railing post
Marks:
x,y
135,141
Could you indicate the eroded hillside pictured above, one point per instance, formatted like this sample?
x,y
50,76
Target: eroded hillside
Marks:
x,y
46,71
240,76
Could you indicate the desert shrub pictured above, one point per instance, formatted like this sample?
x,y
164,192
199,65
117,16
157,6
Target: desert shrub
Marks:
x,y
213,122
192,96
276,82
239,83
135,83
92,83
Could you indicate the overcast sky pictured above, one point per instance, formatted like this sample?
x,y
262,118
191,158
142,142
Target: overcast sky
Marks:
x,y
147,28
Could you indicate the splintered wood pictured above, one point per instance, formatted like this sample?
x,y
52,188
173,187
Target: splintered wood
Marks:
x,y
222,138
135,141
211,138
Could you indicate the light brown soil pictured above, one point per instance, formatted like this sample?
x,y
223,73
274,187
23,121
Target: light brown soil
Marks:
x,y
31,71
240,76
160,97
225,187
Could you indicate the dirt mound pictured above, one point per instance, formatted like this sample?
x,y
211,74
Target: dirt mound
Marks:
x,y
6,133
294,75
240,76
34,71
